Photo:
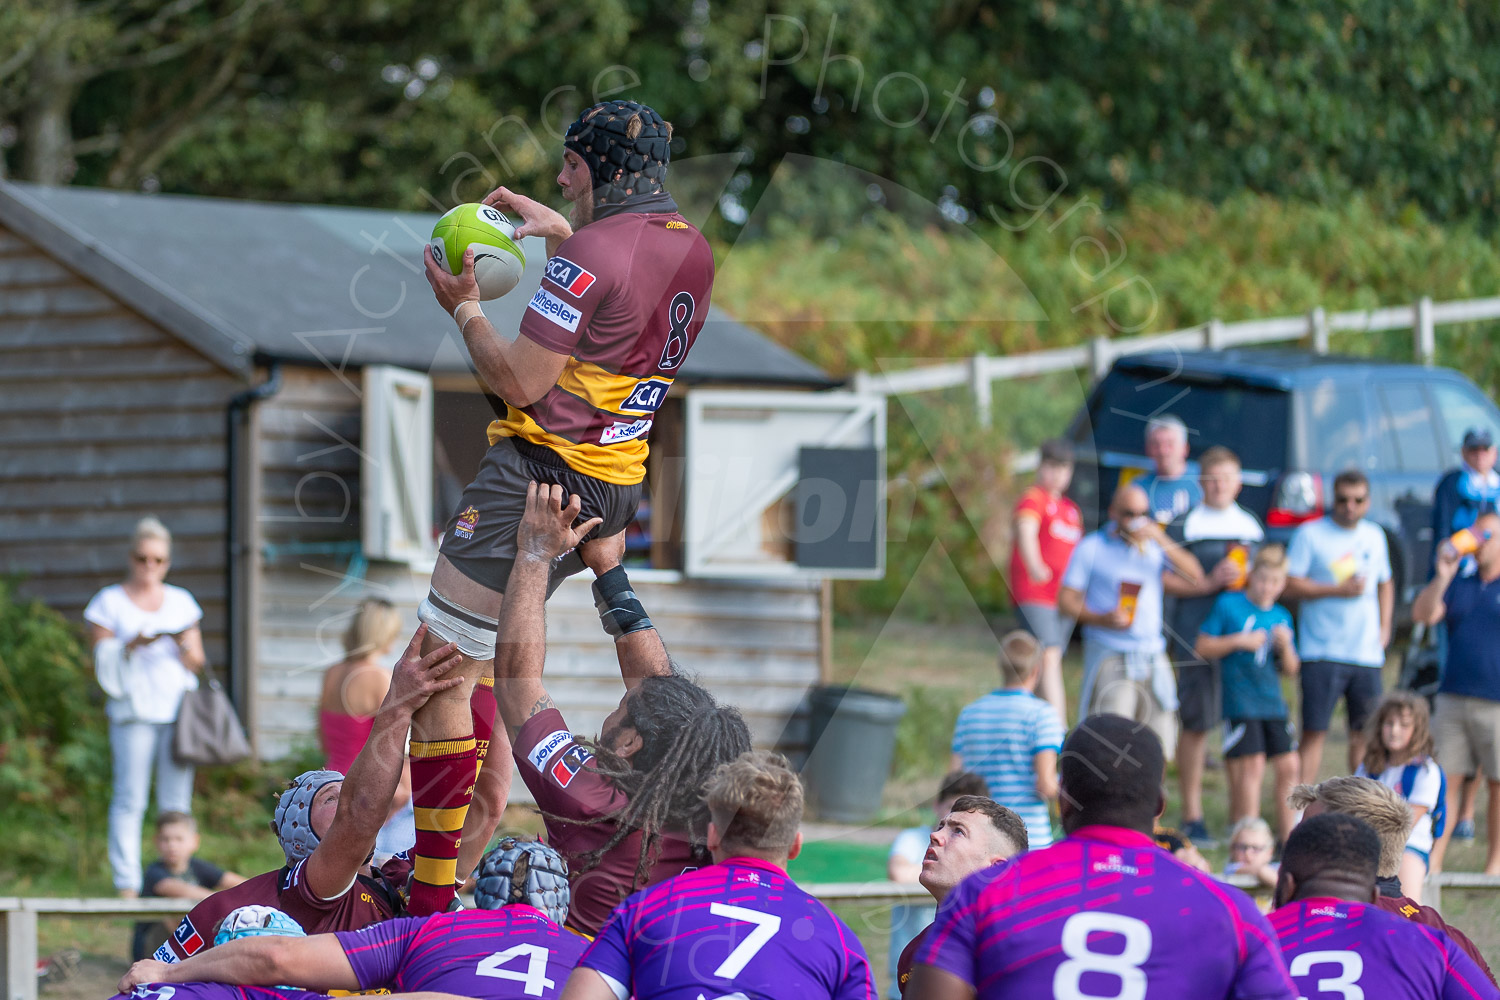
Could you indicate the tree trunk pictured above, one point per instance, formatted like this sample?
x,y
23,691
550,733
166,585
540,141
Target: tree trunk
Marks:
x,y
46,125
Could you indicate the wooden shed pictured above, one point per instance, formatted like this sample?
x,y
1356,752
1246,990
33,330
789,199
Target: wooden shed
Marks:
x,y
276,383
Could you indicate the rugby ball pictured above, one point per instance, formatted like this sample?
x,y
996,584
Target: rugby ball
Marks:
x,y
498,258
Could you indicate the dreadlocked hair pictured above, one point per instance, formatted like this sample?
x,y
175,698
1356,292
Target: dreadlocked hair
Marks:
x,y
685,736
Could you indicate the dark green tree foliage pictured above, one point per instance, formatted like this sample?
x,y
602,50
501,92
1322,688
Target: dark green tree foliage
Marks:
x,y
400,103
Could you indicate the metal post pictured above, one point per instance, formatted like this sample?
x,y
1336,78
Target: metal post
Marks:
x,y
18,954
1099,358
861,382
979,383
1426,337
1317,322
1213,335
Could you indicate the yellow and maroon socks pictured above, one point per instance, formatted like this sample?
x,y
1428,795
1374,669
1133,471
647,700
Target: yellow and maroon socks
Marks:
x,y
442,784
483,708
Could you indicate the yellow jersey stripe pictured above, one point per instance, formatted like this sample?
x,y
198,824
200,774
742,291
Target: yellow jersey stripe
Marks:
x,y
600,387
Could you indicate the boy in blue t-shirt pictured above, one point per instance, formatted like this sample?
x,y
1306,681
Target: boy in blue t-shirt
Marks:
x,y
1248,633
1011,738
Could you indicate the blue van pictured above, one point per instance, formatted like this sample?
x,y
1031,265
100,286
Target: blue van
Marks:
x,y
1296,419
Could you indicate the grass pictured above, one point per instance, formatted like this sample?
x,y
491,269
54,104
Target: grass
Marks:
x,y
838,861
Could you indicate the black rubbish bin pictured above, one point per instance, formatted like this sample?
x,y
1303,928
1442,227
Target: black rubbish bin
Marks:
x,y
852,738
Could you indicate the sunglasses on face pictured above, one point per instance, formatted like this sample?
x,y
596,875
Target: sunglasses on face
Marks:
x,y
1130,515
1348,501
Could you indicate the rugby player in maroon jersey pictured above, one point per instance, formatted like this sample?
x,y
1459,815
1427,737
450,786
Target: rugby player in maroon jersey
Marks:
x,y
624,295
626,809
327,823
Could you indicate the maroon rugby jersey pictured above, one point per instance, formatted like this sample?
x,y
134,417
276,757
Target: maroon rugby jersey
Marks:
x,y
368,900
573,796
624,298
1403,906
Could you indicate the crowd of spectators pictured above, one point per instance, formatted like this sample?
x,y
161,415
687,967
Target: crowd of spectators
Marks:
x,y
1187,625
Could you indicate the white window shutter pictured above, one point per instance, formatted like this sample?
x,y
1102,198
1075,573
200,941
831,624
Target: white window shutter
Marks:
x,y
396,467
757,503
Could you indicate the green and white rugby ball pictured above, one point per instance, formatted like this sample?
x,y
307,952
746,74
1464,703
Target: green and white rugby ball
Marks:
x,y
498,258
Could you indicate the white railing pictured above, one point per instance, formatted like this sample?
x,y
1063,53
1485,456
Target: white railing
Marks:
x,y
980,372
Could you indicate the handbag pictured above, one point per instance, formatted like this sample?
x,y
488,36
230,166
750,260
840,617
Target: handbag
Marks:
x,y
208,731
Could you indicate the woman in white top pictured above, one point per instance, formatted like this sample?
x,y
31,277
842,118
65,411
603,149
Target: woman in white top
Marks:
x,y
148,650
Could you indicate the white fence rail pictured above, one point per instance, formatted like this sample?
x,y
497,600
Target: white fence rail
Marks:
x,y
980,372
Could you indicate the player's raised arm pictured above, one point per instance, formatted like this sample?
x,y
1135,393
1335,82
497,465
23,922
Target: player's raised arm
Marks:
x,y
546,532
365,799
255,961
638,644
586,984
929,983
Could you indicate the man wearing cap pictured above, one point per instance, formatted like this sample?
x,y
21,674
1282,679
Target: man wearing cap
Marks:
x,y
1465,492
328,836
512,948
624,295
1466,710
1459,499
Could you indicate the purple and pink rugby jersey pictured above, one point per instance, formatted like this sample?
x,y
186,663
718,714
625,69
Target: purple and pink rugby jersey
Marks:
x,y
1336,948
1104,913
214,991
739,927
513,953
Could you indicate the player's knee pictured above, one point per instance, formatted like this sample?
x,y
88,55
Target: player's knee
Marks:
x,y
472,632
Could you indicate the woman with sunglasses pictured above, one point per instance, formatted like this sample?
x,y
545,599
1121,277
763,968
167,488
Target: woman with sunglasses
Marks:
x,y
148,651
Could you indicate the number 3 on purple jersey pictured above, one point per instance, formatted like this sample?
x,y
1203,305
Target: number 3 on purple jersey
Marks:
x,y
766,926
1351,966
1124,965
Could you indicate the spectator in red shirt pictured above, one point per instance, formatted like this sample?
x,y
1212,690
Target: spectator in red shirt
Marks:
x,y
1047,527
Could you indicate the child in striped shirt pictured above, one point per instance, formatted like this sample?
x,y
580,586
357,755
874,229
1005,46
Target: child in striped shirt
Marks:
x,y
1011,738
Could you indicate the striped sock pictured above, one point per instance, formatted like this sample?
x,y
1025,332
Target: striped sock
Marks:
x,y
442,782
484,710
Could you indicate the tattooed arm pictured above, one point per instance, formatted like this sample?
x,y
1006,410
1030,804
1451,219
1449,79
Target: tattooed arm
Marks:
x,y
546,532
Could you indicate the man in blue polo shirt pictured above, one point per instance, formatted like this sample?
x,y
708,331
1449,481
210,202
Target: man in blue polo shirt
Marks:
x,y
1466,719
1113,588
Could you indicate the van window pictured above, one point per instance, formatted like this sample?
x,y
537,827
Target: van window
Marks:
x,y
1461,408
1407,427
1334,415
1251,420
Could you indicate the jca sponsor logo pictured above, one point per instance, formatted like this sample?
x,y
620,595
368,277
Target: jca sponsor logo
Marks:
x,y
187,937
647,396
570,764
551,307
568,276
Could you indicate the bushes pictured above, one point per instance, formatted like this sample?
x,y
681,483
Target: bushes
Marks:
x,y
55,767
54,743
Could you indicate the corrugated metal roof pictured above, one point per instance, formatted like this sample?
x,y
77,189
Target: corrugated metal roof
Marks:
x,y
310,283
